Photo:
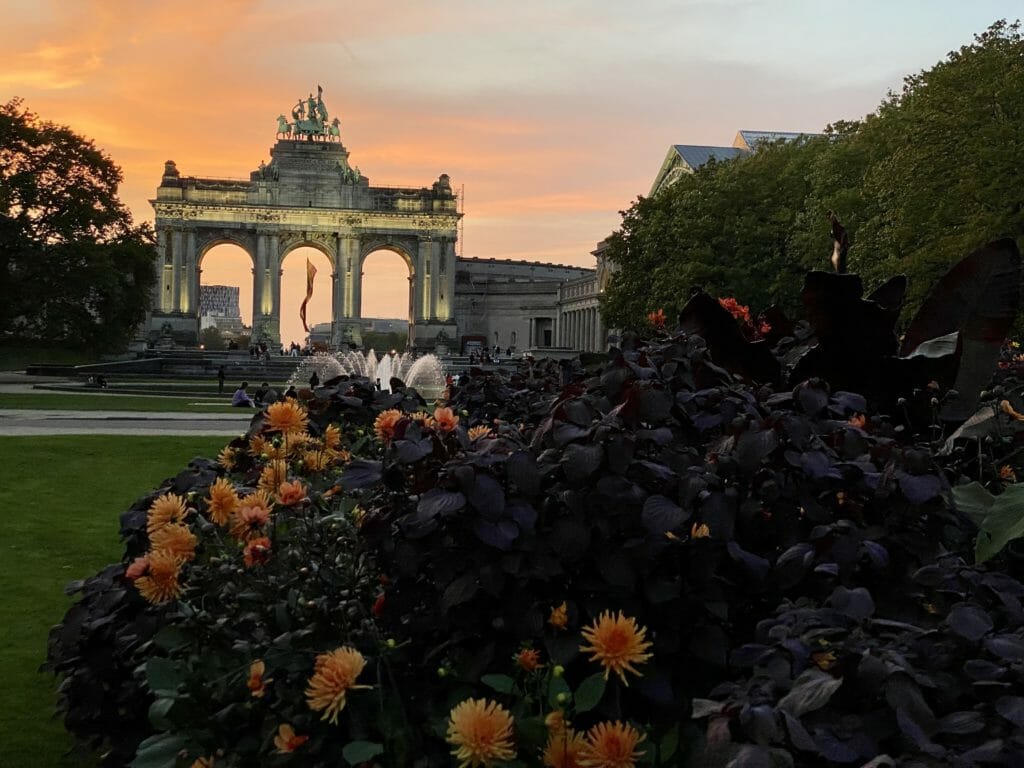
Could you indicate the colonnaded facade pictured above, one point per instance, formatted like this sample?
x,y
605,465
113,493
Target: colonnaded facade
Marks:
x,y
310,195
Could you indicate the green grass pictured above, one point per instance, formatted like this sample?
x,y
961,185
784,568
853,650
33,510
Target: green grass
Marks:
x,y
61,498
73,401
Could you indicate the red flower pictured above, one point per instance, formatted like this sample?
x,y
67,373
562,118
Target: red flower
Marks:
x,y
378,606
737,310
657,319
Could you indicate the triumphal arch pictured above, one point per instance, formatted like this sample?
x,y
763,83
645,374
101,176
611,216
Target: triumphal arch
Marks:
x,y
308,195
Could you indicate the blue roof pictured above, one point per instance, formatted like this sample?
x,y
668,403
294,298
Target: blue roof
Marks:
x,y
696,156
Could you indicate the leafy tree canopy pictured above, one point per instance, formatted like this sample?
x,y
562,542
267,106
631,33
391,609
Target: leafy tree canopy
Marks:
x,y
926,178
74,268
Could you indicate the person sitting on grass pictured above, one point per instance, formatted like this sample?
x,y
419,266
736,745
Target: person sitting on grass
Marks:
x,y
241,398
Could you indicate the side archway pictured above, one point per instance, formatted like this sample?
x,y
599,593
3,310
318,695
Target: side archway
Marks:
x,y
224,290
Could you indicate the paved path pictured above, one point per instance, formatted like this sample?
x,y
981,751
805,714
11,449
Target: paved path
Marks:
x,y
55,422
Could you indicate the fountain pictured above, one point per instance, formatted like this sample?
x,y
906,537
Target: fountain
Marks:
x,y
424,374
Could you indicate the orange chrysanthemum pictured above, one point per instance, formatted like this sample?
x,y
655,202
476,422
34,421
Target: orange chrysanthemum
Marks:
x,y
1007,474
202,762
858,420
227,457
259,445
138,567
555,721
166,509
611,745
559,618
291,493
481,732
256,684
475,433
160,584
252,514
332,436
564,748
445,419
287,740
256,551
617,643
384,424
528,659
422,417
287,416
223,501
175,539
334,676
272,475
656,319
316,461
699,531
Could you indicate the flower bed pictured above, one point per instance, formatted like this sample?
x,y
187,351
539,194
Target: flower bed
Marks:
x,y
653,563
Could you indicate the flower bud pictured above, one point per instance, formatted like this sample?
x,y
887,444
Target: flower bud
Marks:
x,y
562,697
442,672
558,670
390,642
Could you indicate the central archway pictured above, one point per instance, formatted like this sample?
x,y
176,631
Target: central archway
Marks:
x,y
319,310
387,296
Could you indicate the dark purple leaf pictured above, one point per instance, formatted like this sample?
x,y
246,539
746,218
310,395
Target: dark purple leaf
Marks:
x,y
810,691
798,735
754,566
411,451
812,398
754,447
460,590
661,514
570,538
1012,708
969,622
1008,647
487,497
579,462
916,734
524,515
521,469
758,722
855,603
878,554
919,488
439,502
499,535
833,748
655,405
620,449
360,474
959,723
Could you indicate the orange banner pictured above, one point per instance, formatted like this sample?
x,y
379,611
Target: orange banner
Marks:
x,y
310,274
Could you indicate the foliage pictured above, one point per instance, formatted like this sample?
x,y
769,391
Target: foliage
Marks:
x,y
791,579
918,183
385,341
211,339
74,268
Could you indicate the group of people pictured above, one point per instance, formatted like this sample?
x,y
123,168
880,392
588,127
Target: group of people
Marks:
x,y
261,396
486,356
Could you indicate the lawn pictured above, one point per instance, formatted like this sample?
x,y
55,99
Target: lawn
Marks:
x,y
61,498
74,401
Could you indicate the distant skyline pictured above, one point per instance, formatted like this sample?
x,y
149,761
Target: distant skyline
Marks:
x,y
553,116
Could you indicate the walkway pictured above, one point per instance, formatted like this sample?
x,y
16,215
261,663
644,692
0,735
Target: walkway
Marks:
x,y
55,422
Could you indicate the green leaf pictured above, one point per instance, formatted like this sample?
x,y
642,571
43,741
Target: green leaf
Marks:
x,y
159,713
973,500
164,676
669,744
356,752
159,751
589,694
170,638
1003,523
500,683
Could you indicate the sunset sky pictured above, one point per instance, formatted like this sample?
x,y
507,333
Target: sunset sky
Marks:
x,y
553,115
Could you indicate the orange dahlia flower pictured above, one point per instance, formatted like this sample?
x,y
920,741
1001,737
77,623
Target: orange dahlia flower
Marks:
x,y
272,475
481,732
287,740
334,675
256,551
445,419
384,424
656,319
287,416
332,436
528,659
252,514
699,531
316,461
611,745
617,643
475,433
160,584
563,749
138,567
202,762
256,683
223,501
291,493
559,618
175,539
227,457
169,508
555,720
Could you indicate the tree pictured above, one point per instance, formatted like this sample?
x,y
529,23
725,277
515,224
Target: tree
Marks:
x,y
73,267
211,338
930,176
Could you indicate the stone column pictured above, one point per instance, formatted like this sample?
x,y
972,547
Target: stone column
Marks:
x,y
421,283
177,266
275,267
348,269
259,269
446,280
191,302
164,276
